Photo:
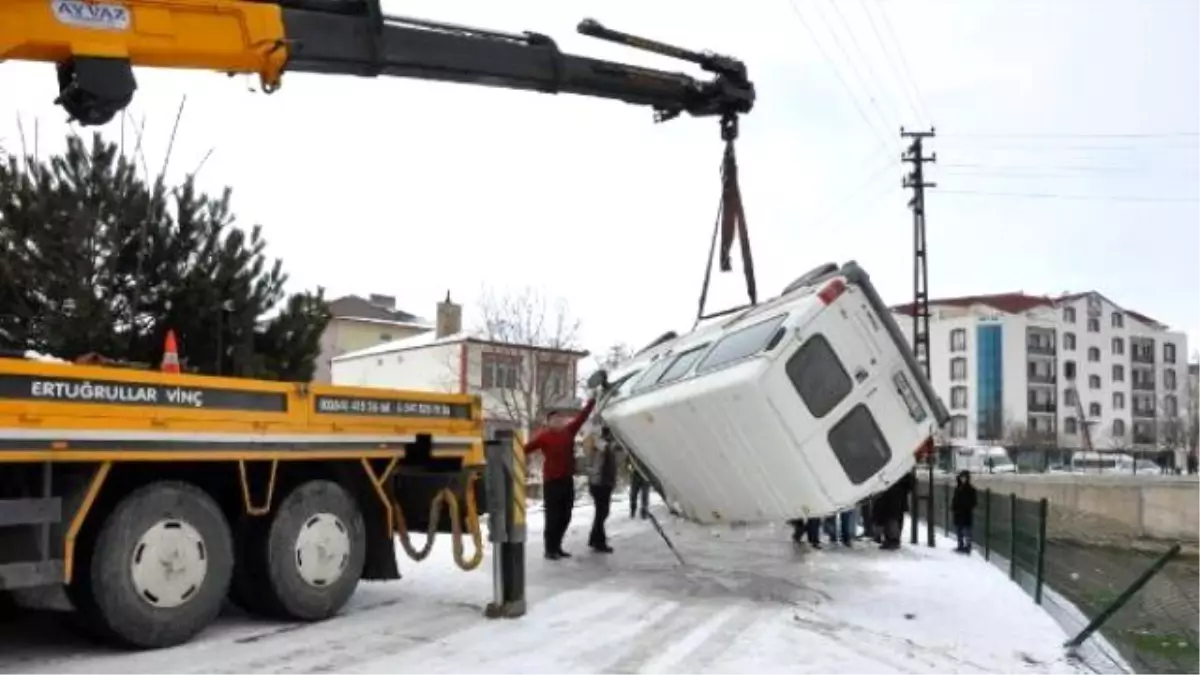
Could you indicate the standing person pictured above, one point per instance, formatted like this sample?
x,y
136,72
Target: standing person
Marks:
x,y
639,492
602,478
963,505
894,504
556,442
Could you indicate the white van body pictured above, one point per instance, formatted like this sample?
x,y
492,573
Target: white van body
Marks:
x,y
798,407
974,458
1102,462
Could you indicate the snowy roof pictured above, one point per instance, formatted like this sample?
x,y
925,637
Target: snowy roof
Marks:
x,y
413,342
416,323
430,339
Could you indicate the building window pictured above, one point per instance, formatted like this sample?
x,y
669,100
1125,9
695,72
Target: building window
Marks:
x,y
1094,382
1169,380
1043,424
958,340
1069,397
1118,400
1118,428
1118,320
1069,342
1069,426
501,371
1168,352
958,369
553,377
958,398
1094,410
1093,325
1118,345
1094,354
1069,370
1170,406
1069,314
958,426
1118,373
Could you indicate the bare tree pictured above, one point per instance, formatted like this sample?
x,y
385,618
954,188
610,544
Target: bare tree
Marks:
x,y
527,362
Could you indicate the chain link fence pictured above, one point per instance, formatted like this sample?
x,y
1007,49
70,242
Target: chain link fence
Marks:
x,y
1048,550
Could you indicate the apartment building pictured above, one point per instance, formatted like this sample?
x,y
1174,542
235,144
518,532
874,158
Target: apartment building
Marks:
x,y
1005,365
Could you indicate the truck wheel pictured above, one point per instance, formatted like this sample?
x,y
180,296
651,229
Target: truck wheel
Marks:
x,y
315,550
161,565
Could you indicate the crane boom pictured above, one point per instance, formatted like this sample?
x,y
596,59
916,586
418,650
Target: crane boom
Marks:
x,y
97,43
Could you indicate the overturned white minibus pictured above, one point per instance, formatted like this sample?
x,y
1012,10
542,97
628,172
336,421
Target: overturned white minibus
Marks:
x,y
797,407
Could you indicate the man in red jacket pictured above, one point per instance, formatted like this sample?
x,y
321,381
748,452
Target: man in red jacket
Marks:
x,y
556,442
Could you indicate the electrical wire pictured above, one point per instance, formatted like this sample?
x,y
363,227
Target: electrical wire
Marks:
x,y
1055,195
837,72
872,79
898,77
912,81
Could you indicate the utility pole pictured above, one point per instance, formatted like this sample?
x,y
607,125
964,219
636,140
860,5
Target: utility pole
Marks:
x,y
916,182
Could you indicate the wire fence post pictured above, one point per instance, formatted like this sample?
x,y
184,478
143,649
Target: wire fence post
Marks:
x,y
946,509
1012,535
1043,514
1123,598
930,505
916,508
987,525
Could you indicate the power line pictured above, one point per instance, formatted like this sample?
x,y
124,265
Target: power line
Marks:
x,y
887,24
872,78
898,77
849,92
856,191
1172,134
856,74
1055,195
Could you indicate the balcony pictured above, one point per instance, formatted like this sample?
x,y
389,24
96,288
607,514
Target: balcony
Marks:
x,y
1145,413
1143,439
1040,348
1143,385
1042,408
1042,379
1142,356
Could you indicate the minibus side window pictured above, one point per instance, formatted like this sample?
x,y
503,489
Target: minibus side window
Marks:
x,y
859,445
651,375
818,376
682,364
741,343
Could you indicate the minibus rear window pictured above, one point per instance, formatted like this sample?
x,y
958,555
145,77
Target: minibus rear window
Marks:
x,y
859,445
818,376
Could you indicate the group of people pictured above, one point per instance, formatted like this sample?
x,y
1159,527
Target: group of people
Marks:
x,y
882,518
556,443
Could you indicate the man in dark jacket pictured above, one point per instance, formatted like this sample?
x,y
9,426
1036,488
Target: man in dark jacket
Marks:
x,y
556,442
963,506
893,504
602,478
639,493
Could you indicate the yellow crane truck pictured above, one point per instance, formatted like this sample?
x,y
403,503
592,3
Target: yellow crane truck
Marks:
x,y
149,495
153,496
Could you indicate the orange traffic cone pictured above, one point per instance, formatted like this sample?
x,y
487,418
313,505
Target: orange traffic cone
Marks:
x,y
170,362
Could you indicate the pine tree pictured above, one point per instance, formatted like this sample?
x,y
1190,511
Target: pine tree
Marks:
x,y
100,261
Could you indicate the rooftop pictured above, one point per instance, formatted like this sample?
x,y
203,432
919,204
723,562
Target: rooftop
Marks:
x,y
1019,302
431,339
377,309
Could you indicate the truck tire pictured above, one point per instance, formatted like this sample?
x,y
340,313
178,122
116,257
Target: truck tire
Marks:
x,y
313,553
161,566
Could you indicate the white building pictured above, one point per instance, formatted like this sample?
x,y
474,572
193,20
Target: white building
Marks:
x,y
514,382
1003,365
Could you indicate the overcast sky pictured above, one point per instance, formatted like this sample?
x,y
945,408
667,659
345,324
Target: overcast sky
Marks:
x,y
1082,114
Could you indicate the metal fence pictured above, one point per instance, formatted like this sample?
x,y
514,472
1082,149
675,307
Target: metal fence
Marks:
x,y
1045,548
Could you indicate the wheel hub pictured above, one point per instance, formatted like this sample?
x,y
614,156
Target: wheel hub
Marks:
x,y
169,563
322,549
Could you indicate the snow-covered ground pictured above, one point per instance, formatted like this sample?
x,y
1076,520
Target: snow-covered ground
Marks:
x,y
747,601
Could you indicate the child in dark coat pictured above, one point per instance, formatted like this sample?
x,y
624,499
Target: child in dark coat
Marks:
x,y
963,506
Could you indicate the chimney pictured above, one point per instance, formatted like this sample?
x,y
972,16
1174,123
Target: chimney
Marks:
x,y
449,317
387,302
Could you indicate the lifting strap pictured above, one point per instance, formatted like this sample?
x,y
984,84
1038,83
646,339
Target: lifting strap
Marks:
x,y
730,222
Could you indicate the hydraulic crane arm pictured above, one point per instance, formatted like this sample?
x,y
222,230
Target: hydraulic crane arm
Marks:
x,y
97,43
